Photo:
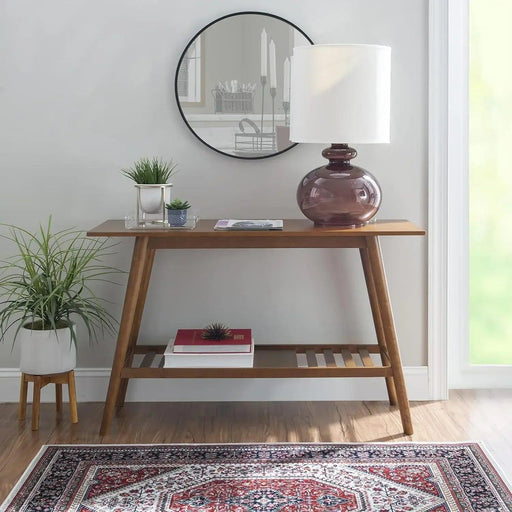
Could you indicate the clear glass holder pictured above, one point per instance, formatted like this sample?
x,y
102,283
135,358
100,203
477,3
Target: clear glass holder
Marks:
x,y
131,222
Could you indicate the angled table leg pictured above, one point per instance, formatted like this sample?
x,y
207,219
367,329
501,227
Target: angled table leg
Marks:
x,y
388,325
141,257
58,397
137,317
22,411
73,411
377,320
36,401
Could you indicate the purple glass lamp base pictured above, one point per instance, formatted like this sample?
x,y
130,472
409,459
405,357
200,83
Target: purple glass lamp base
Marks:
x,y
339,194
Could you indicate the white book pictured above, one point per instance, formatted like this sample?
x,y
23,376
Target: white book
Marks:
x,y
248,225
207,359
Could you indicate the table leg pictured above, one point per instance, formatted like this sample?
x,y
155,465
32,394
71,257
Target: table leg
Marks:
x,y
137,317
132,297
58,397
22,411
377,320
36,400
73,411
386,313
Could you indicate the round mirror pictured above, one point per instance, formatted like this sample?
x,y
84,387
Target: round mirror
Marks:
x,y
233,84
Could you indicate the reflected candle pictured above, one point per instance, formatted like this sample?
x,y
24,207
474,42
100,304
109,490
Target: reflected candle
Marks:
x,y
286,80
263,53
272,53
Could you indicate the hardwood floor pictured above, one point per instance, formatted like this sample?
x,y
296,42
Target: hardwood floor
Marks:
x,y
484,416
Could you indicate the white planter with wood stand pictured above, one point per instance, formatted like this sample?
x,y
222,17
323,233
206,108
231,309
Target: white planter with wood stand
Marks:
x,y
47,352
151,200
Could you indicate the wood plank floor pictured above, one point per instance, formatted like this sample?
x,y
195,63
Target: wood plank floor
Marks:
x,y
469,415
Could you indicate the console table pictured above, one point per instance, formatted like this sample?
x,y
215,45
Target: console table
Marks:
x,y
270,361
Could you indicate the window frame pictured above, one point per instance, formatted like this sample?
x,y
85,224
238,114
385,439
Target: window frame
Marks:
x,y
449,364
200,69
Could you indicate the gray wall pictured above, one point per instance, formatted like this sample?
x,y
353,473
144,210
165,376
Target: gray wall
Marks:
x,y
86,88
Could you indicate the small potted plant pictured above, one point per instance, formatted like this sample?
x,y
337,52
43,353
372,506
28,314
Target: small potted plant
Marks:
x,y
177,212
45,288
151,179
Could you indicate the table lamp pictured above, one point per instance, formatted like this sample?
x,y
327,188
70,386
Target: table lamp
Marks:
x,y
340,93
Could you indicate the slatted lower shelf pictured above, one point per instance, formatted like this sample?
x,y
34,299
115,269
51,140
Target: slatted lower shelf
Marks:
x,y
275,361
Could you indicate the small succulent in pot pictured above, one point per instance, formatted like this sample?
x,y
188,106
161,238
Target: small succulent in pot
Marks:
x,y
178,204
177,212
217,332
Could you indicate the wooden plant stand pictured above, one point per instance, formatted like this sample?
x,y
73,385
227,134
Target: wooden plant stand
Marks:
x,y
40,381
270,361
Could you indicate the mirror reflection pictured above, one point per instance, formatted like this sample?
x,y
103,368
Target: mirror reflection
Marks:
x,y
233,84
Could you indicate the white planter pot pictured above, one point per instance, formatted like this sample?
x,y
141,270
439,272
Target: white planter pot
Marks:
x,y
153,197
45,352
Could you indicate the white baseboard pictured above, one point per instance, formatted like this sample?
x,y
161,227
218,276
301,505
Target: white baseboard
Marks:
x,y
482,377
92,383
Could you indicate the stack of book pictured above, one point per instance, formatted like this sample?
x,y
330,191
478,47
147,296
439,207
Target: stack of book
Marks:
x,y
189,350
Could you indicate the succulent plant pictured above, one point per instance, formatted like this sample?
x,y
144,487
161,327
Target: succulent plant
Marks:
x,y
216,331
178,204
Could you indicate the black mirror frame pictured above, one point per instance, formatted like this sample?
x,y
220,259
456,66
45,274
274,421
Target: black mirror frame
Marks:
x,y
183,56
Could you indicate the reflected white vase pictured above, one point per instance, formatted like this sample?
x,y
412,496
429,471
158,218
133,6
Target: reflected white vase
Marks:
x,y
46,352
152,198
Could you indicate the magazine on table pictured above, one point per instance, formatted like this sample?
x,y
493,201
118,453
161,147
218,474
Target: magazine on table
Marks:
x,y
248,225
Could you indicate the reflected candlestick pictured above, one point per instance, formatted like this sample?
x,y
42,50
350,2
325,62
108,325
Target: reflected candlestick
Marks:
x,y
273,91
263,80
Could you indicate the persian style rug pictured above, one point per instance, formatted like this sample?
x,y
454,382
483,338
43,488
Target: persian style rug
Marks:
x,y
261,478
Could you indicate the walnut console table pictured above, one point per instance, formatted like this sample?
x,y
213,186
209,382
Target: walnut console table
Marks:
x,y
270,361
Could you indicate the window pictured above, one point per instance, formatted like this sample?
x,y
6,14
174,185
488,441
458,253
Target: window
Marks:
x,y
190,76
490,182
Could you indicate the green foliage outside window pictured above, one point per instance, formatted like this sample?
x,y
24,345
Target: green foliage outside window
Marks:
x,y
490,163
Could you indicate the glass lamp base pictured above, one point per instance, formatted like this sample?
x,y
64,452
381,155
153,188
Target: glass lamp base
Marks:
x,y
339,194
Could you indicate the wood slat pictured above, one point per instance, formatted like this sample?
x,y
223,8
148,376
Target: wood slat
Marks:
x,y
365,357
254,373
318,348
275,359
311,359
148,359
347,358
144,349
329,358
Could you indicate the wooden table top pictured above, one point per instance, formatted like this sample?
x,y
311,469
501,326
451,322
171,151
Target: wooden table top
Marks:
x,y
292,228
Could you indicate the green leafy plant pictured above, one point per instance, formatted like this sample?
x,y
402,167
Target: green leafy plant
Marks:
x,y
48,282
150,172
178,204
216,331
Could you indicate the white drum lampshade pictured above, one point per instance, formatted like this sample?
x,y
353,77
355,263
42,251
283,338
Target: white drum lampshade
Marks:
x,y
340,93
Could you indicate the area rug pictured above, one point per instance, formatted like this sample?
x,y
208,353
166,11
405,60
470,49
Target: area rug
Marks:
x,y
261,478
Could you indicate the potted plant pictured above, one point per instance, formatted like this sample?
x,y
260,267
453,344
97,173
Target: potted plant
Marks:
x,y
45,287
151,179
177,212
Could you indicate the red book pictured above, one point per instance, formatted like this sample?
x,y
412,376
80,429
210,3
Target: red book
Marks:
x,y
190,341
